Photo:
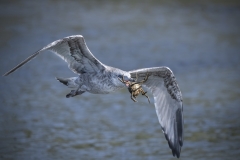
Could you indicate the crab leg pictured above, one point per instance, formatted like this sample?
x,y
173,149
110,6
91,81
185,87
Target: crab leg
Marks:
x,y
144,80
120,80
136,77
133,98
144,94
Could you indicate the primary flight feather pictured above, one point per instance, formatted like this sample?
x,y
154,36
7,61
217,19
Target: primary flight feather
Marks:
x,y
98,78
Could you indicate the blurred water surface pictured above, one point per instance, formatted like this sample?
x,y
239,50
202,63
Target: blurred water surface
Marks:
x,y
199,41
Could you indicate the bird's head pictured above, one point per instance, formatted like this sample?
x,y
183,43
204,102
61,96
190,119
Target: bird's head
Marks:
x,y
126,80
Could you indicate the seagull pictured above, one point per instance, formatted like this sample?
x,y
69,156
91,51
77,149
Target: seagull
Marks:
x,y
98,78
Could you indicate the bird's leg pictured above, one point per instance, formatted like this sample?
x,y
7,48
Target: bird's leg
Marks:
x,y
75,92
71,94
132,97
145,94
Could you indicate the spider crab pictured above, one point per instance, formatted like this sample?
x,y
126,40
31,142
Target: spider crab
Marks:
x,y
135,88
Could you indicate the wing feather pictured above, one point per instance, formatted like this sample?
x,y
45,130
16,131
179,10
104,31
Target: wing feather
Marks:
x,y
74,51
168,103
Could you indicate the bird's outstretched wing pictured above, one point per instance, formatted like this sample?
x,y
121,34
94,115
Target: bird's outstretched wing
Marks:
x,y
74,51
168,103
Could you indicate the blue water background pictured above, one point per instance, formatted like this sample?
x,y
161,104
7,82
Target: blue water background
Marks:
x,y
198,40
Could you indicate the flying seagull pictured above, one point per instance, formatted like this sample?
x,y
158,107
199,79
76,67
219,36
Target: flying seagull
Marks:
x,y
98,78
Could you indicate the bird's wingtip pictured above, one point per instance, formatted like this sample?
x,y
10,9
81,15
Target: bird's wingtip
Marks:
x,y
6,74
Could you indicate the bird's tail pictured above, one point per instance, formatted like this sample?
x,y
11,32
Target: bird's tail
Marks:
x,y
70,82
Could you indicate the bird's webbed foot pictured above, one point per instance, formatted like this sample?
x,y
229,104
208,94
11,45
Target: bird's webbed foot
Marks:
x,y
74,93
